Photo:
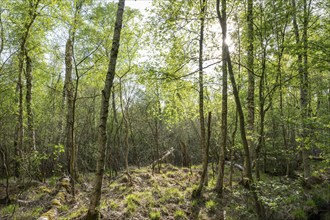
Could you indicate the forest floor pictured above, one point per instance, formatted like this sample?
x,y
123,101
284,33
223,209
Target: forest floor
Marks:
x,y
167,195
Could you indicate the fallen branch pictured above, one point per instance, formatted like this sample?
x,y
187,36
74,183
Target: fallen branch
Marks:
x,y
168,153
238,166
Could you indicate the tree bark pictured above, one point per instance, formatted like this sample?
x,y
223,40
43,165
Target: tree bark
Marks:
x,y
19,129
5,162
93,211
31,141
114,155
125,120
71,95
302,59
208,142
197,193
280,42
262,111
223,22
250,70
247,168
232,152
70,139
184,155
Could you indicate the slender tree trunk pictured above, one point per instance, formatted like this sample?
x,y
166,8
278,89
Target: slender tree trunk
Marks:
x,y
303,72
125,119
19,129
156,134
135,157
71,96
305,97
157,144
232,151
284,134
247,168
261,134
112,158
280,42
70,145
209,131
2,33
30,122
223,22
250,70
62,119
197,193
262,112
184,154
4,159
93,211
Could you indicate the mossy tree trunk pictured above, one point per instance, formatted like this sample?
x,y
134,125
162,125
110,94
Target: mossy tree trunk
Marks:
x,y
251,83
31,140
19,129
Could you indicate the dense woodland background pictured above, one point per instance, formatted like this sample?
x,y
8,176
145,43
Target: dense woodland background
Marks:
x,y
205,81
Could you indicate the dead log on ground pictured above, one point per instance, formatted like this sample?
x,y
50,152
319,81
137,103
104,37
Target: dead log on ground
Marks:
x,y
60,199
168,153
238,166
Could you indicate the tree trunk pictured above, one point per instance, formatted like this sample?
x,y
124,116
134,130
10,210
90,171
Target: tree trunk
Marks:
x,y
284,134
184,154
115,141
197,193
70,139
262,112
250,70
305,97
19,129
4,159
247,166
71,96
232,151
157,143
93,211
31,141
125,119
223,22
303,72
209,131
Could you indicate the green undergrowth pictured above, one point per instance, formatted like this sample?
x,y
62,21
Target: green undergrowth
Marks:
x,y
168,195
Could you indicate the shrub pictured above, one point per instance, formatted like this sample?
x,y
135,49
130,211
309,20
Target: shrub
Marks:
x,y
113,205
210,205
154,215
131,202
299,214
180,214
171,195
8,210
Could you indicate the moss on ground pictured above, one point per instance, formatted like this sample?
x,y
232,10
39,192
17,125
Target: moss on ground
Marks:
x,y
167,195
